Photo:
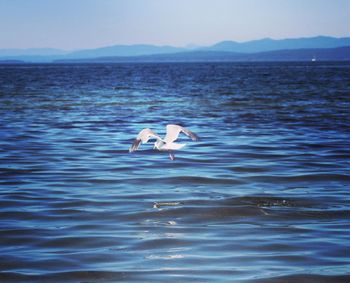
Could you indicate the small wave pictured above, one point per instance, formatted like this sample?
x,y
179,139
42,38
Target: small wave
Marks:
x,y
188,180
319,177
305,278
68,276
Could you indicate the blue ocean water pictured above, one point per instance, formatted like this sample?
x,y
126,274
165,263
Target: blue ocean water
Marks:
x,y
263,196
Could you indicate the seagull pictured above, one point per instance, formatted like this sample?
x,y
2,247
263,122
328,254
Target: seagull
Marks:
x,y
166,144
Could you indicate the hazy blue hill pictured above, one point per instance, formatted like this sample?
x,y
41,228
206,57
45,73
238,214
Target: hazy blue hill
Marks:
x,y
188,56
50,54
124,50
33,58
31,52
292,49
306,54
321,54
268,44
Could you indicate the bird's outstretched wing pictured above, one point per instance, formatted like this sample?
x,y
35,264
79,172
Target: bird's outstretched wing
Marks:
x,y
173,131
143,137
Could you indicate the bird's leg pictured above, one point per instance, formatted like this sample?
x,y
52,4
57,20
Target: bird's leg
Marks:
x,y
171,155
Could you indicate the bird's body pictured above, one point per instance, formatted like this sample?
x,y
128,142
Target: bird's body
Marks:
x,y
166,144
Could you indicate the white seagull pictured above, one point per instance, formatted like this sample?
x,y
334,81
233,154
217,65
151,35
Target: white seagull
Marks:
x,y
166,144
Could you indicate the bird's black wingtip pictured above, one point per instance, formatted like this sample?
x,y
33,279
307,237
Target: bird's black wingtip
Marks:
x,y
194,137
135,145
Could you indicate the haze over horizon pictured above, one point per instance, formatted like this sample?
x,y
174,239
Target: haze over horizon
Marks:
x,y
79,24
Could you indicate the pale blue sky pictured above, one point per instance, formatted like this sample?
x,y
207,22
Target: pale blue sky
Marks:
x,y
76,24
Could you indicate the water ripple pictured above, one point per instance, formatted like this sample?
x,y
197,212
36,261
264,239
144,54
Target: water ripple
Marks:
x,y
261,197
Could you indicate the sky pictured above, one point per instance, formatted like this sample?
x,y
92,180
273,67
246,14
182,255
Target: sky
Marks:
x,y
80,24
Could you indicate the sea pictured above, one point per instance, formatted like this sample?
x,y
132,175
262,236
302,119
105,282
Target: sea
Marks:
x,y
262,196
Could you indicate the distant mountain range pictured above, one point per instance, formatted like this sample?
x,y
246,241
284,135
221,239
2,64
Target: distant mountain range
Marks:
x,y
297,49
268,44
32,52
320,54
